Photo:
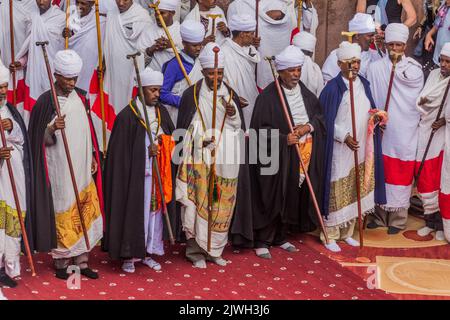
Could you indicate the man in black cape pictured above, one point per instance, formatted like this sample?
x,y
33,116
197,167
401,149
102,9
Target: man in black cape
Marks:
x,y
281,199
134,222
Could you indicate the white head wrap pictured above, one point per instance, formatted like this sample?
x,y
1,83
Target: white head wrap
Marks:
x,y
362,23
169,5
396,32
4,74
192,31
290,57
207,57
445,51
347,51
305,41
67,63
150,77
242,22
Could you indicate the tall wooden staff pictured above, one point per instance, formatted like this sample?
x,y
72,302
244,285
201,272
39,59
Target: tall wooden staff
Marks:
x,y
67,22
169,37
438,116
100,75
66,146
150,136
391,79
355,153
297,147
257,33
299,14
17,202
212,174
13,55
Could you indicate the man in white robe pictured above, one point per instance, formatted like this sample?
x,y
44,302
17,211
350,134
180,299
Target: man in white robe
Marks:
x,y
364,27
401,134
124,34
241,58
16,152
429,181
311,74
159,50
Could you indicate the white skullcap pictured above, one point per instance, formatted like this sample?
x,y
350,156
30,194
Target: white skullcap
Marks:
x,y
4,74
192,31
150,77
207,56
274,6
169,5
396,32
445,51
347,51
305,41
290,57
242,22
67,63
362,23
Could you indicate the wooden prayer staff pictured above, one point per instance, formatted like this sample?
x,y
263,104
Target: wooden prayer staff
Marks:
x,y
150,136
355,153
169,37
349,35
391,79
214,17
299,14
17,202
100,76
257,18
438,116
13,58
67,22
297,147
66,146
212,173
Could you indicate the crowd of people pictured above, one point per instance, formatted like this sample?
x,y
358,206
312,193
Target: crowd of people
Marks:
x,y
133,123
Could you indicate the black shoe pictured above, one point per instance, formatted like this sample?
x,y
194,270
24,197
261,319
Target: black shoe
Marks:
x,y
373,225
62,274
7,281
393,230
87,272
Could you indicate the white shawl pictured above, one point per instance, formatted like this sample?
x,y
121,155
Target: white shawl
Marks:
x,y
195,15
312,76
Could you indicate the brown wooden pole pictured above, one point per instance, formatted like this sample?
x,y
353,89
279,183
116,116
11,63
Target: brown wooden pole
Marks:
x,y
150,136
391,81
67,23
299,14
257,18
297,147
13,55
17,202
66,146
355,153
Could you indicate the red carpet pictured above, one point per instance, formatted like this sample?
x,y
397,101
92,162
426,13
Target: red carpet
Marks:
x,y
306,274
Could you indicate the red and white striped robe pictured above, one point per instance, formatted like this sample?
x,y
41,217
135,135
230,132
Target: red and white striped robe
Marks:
x,y
444,195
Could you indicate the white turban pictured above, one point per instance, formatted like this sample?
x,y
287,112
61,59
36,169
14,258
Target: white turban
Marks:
x,y
150,77
207,56
445,51
347,51
290,57
396,32
169,5
4,74
242,22
192,31
67,63
362,23
305,41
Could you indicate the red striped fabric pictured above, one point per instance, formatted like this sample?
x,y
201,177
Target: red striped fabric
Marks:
x,y
430,177
398,172
444,205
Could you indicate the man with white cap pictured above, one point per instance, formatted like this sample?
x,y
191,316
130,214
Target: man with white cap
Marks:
x,y
241,58
192,34
340,202
134,220
57,224
364,27
159,50
431,179
401,134
311,74
18,152
126,26
192,190
281,199
82,34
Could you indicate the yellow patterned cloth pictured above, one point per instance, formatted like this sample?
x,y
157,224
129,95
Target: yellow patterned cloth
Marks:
x,y
9,220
